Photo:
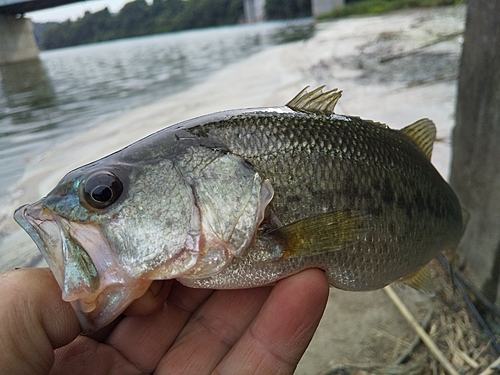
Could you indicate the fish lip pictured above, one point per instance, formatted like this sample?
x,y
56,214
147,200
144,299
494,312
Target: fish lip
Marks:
x,y
116,289
41,226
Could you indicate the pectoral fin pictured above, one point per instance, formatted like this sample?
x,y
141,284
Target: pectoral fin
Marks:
x,y
421,280
323,233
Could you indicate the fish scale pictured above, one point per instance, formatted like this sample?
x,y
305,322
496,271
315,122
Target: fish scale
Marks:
x,y
372,169
313,166
243,198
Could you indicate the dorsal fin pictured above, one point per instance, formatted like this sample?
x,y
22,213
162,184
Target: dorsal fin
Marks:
x,y
381,124
316,101
423,134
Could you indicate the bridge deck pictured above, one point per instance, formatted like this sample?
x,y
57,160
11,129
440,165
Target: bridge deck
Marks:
x,y
23,6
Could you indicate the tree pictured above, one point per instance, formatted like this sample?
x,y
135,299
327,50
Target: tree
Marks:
x,y
133,19
139,18
167,14
279,9
475,169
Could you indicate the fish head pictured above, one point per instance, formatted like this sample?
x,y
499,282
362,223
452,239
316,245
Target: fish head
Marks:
x,y
105,238
111,227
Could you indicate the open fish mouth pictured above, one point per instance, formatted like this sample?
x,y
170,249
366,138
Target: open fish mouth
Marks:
x,y
83,264
41,226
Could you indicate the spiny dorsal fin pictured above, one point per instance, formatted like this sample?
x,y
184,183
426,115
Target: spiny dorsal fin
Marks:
x,y
316,101
421,280
423,134
381,124
322,233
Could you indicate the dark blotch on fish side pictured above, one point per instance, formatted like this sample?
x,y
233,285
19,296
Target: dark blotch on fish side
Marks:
x,y
387,191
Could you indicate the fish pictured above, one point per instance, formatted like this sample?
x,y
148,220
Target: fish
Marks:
x,y
243,198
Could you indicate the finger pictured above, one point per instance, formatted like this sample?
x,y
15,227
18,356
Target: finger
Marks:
x,y
137,343
277,338
35,320
152,301
102,334
212,331
144,340
86,356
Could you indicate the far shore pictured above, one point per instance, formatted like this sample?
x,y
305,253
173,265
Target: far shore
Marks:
x,y
344,53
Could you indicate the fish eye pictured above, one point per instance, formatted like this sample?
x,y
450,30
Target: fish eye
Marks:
x,y
101,190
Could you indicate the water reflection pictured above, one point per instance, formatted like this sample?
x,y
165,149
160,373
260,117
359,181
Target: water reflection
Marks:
x,y
296,30
27,91
27,83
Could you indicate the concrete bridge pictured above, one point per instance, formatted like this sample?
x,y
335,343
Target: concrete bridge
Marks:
x,y
23,6
16,33
17,42
255,12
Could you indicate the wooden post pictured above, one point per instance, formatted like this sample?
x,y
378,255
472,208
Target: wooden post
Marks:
x,y
475,168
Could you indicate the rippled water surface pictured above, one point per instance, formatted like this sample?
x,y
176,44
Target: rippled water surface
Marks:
x,y
71,89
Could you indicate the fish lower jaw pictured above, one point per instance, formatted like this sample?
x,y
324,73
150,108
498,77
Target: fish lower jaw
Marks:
x,y
88,305
85,304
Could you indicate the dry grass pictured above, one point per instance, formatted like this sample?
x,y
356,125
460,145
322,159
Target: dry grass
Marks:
x,y
455,331
452,329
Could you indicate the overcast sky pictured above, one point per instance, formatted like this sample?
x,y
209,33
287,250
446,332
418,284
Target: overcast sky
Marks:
x,y
75,10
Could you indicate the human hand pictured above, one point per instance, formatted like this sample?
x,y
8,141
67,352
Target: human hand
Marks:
x,y
172,329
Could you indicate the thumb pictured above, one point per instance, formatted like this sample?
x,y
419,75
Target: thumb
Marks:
x,y
34,320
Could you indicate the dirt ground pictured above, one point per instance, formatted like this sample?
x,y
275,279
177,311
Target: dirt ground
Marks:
x,y
364,333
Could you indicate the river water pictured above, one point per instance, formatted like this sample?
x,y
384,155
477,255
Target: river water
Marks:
x,y
71,89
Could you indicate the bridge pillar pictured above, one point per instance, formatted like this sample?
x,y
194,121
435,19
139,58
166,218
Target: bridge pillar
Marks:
x,y
17,42
320,7
254,10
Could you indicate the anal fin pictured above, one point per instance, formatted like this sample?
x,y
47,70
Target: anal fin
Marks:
x,y
421,280
322,233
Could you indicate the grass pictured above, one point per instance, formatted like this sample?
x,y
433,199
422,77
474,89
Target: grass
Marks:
x,y
382,6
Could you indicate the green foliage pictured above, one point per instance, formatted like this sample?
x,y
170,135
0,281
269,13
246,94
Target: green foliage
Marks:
x,y
283,9
39,29
139,18
381,6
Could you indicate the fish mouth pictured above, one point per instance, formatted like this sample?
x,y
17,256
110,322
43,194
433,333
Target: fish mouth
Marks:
x,y
84,265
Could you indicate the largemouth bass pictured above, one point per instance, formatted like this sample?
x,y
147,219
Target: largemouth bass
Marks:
x,y
243,198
